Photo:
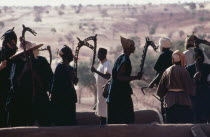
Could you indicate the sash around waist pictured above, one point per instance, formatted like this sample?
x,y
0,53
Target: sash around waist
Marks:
x,y
176,90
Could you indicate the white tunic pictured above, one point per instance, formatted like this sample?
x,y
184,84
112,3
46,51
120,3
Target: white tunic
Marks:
x,y
189,56
101,106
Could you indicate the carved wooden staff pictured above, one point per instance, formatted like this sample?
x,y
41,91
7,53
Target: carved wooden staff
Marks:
x,y
48,48
23,39
147,44
198,41
28,59
163,108
85,43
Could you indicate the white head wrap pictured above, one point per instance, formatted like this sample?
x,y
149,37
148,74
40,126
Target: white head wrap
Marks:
x,y
164,42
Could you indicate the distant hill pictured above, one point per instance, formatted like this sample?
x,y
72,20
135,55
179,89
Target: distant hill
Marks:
x,y
61,25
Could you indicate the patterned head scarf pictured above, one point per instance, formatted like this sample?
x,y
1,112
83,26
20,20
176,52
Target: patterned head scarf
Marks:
x,y
127,43
178,56
164,42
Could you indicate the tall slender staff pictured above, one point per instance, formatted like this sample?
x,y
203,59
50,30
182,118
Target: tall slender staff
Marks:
x,y
147,44
28,59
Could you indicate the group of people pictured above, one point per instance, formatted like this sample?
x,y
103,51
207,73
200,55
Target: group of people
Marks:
x,y
184,82
25,79
30,93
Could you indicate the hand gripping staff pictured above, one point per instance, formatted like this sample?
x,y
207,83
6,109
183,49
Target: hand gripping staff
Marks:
x,y
85,43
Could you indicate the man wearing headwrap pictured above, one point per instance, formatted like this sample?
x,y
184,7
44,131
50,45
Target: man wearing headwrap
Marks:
x,y
120,104
176,87
8,49
164,61
64,97
191,43
199,71
28,101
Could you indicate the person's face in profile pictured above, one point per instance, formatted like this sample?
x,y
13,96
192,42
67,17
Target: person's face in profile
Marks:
x,y
132,48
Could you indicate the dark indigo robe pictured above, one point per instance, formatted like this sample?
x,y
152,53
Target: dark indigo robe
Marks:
x,y
26,105
19,103
64,96
164,61
4,85
201,102
43,76
120,104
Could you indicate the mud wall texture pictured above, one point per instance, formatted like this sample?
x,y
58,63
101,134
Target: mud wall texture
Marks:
x,y
136,130
141,117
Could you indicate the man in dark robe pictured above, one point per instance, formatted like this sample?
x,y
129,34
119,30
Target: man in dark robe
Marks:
x,y
200,72
8,49
28,101
164,61
42,75
120,104
64,95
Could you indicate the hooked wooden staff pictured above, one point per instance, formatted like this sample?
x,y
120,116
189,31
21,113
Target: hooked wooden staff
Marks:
x,y
48,48
23,39
85,43
28,59
147,44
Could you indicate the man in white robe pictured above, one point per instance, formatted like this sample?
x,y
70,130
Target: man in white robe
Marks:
x,y
102,74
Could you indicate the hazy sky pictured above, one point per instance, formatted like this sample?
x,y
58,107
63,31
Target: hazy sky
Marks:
x,y
86,2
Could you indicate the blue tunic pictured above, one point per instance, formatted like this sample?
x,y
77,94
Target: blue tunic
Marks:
x,y
120,105
64,96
